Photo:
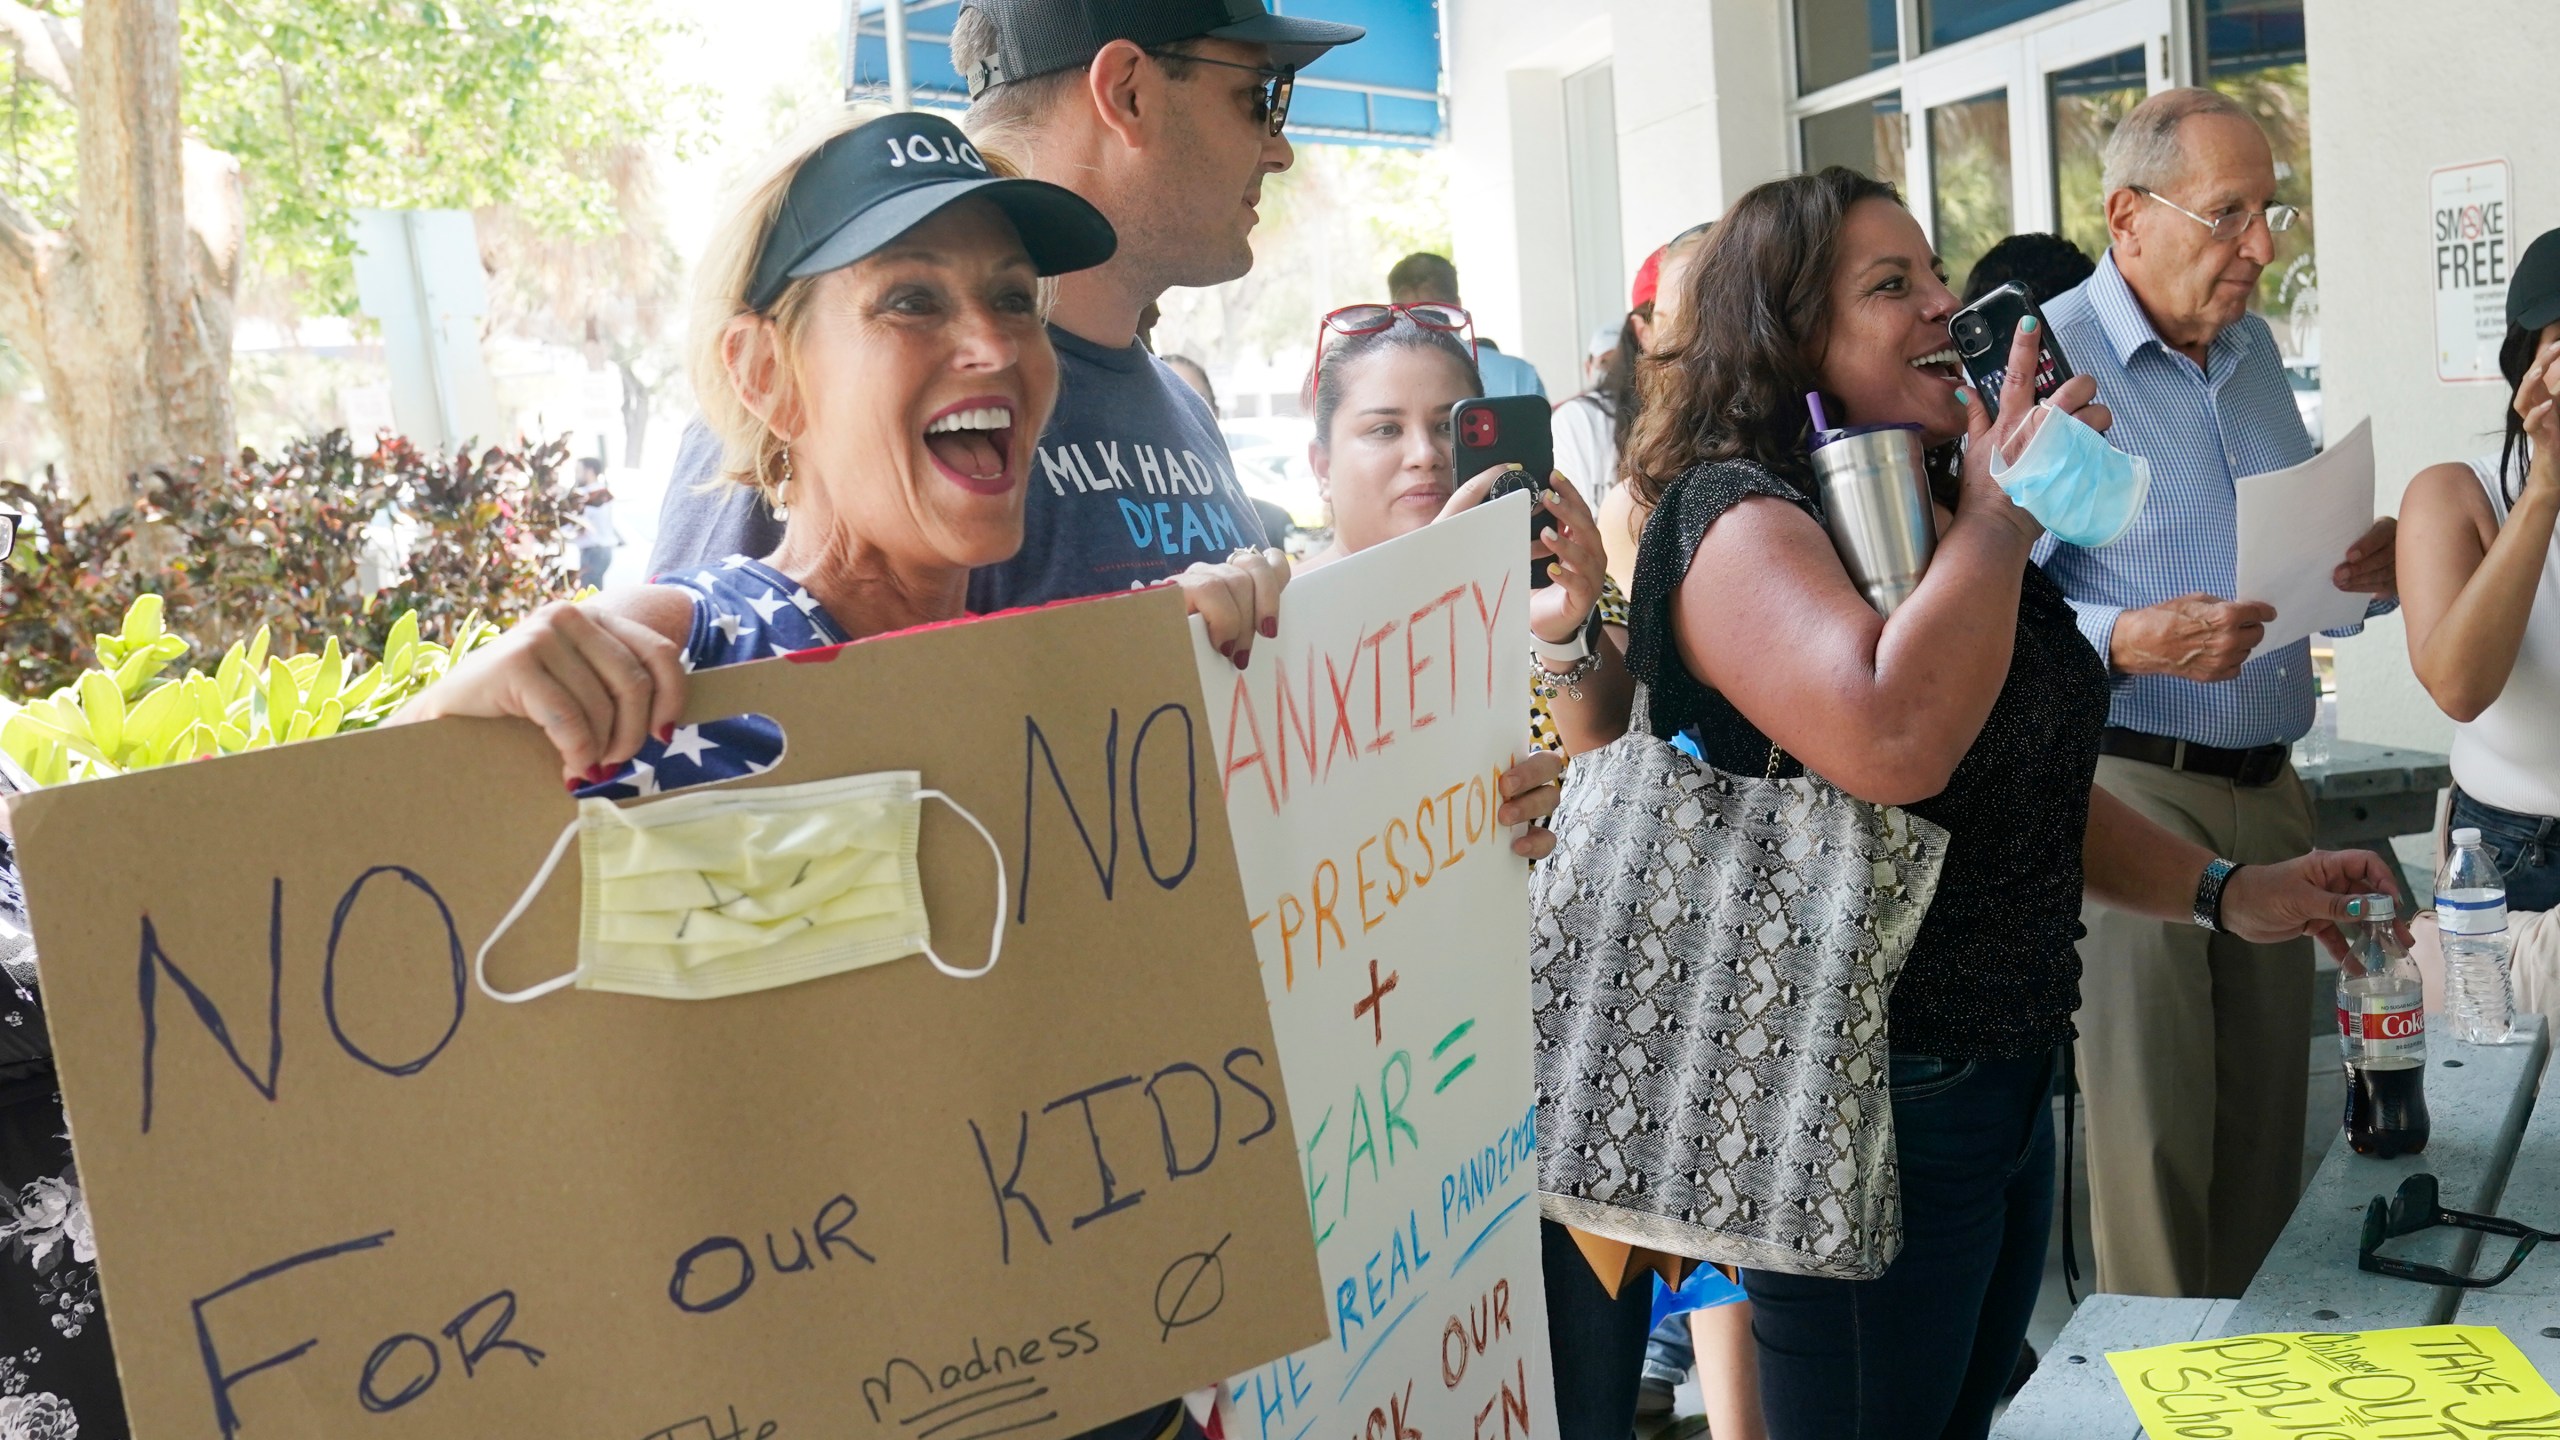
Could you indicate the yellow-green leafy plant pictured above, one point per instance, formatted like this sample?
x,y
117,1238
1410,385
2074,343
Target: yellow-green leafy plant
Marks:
x,y
130,714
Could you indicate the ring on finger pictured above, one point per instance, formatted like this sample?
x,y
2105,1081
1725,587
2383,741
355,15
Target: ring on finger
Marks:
x,y
1240,556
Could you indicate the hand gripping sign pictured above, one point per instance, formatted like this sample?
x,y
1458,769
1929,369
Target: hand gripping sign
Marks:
x,y
339,1192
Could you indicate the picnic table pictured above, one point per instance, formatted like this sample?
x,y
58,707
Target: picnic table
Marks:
x,y
2364,795
2489,1143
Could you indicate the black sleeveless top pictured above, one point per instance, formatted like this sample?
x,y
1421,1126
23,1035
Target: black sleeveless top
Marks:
x,y
1994,973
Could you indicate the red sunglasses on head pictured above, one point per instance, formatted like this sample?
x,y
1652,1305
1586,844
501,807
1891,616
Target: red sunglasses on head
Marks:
x,y
1372,318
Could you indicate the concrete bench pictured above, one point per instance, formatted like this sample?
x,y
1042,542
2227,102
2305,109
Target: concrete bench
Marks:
x,y
2364,795
2527,1307
2480,1099
2074,1395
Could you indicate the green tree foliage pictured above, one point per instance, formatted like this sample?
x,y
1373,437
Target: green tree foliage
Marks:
x,y
332,105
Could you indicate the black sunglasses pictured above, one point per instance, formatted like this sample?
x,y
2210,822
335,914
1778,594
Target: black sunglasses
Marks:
x,y
2416,1208
9,532
1279,82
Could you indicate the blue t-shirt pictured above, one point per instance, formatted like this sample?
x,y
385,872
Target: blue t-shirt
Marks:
x,y
1130,485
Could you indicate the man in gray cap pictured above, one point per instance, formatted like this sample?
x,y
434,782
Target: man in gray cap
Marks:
x,y
1166,115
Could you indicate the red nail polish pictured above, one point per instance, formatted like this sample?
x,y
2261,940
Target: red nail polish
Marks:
x,y
599,772
1270,627
572,786
666,734
1243,656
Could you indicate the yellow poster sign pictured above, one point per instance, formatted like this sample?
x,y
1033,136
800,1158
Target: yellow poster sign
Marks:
x,y
2433,1382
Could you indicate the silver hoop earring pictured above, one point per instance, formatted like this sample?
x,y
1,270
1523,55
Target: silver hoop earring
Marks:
x,y
781,498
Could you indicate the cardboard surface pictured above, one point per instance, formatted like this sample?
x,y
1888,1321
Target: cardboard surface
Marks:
x,y
1360,758
340,1193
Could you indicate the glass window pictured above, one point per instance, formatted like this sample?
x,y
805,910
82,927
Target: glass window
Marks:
x,y
1969,179
1866,136
2254,54
1944,22
2087,102
1840,40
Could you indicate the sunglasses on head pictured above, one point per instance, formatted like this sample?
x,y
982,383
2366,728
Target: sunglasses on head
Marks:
x,y
2417,1208
1375,318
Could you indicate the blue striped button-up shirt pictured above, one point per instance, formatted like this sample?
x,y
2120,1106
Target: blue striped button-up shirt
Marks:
x,y
2201,427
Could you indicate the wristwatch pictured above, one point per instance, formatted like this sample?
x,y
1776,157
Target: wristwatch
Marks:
x,y
2209,888
1571,651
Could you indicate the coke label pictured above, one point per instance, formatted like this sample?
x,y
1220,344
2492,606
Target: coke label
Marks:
x,y
2384,1028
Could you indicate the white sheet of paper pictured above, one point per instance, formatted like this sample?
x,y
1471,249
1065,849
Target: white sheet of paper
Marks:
x,y
2295,527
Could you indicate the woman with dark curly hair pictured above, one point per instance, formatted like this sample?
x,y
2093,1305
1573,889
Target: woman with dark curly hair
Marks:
x,y
1975,705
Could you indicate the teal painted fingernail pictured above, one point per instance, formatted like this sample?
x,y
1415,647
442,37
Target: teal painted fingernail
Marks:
x,y
1963,396
2028,324
2355,907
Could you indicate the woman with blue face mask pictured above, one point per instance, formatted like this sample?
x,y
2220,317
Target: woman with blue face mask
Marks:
x,y
1975,705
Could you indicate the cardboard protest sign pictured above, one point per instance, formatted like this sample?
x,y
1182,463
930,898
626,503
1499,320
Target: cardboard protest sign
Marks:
x,y
1360,756
2445,1382
338,1192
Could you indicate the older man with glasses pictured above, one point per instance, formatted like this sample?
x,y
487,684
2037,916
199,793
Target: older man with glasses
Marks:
x,y
2192,1043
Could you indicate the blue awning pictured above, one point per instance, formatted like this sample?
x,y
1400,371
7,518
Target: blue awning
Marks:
x,y
1385,90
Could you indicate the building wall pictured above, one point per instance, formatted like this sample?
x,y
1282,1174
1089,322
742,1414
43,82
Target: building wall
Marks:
x,y
1700,117
2398,90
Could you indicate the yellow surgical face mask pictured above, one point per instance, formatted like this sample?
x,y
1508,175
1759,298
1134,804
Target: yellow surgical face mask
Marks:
x,y
725,892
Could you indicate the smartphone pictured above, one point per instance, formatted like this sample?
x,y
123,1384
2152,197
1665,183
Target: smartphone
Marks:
x,y
1508,430
1983,333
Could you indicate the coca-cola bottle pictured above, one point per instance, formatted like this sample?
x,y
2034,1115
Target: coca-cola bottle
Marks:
x,y
2382,1028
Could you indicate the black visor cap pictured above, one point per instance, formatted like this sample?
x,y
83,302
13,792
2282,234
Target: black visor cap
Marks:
x,y
2533,290
876,182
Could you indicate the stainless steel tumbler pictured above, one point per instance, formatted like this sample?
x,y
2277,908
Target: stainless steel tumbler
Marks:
x,y
1875,498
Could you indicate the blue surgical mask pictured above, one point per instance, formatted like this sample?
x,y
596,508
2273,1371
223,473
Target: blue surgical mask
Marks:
x,y
2081,489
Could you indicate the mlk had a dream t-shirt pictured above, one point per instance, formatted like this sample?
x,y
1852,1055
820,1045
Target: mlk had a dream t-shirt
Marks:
x,y
1129,485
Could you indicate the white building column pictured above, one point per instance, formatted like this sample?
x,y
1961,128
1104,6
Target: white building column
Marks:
x,y
1701,117
2396,92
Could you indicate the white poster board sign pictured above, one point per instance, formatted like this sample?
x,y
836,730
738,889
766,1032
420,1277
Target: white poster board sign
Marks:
x,y
2471,237
1360,757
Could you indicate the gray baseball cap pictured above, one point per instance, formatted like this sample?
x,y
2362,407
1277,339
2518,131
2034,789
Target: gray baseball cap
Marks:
x,y
1037,37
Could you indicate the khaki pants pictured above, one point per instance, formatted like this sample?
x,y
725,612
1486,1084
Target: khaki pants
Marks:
x,y
2193,1056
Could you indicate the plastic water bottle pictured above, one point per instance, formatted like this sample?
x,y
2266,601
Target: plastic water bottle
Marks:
x,y
2471,923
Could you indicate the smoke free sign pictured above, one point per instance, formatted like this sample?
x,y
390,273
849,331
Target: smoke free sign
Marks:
x,y
2471,235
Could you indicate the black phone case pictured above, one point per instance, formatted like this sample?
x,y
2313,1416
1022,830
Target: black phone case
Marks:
x,y
1984,351
1508,430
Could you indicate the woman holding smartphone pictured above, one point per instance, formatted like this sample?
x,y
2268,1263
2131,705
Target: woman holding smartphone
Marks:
x,y
1386,382
1977,706
2480,590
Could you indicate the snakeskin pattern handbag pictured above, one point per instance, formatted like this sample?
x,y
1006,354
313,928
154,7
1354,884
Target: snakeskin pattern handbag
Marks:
x,y
1710,956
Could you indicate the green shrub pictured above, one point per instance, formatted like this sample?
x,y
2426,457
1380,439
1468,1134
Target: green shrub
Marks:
x,y
281,546
128,715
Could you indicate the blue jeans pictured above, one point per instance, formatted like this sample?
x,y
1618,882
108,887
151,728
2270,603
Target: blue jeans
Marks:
x,y
1596,1341
1922,1351
2526,847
